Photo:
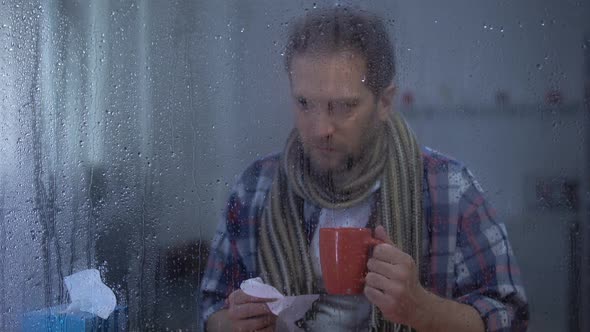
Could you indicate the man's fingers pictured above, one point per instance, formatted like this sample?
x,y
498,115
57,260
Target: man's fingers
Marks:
x,y
381,234
376,297
391,254
269,328
388,251
393,272
239,297
383,284
377,281
263,323
248,310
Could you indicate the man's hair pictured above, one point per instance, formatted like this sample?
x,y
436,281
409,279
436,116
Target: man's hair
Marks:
x,y
345,29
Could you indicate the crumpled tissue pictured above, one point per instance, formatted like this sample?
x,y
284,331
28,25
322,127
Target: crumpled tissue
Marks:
x,y
289,309
88,293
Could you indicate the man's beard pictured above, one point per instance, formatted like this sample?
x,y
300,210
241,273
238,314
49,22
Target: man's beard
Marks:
x,y
333,179
351,167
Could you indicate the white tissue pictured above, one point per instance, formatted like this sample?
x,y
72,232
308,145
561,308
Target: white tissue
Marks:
x,y
89,294
288,308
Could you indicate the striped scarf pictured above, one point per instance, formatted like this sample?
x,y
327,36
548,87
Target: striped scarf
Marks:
x,y
395,159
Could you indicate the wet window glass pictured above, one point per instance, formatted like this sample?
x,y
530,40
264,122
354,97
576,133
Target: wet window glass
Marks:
x,y
156,157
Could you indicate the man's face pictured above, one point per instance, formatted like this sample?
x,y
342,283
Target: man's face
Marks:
x,y
335,112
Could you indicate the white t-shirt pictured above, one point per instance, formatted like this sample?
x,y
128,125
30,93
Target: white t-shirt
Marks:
x,y
340,312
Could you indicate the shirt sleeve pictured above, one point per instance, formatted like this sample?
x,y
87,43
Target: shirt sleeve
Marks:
x,y
225,268
488,276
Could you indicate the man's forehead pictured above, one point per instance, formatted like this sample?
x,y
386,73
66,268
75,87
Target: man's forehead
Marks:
x,y
336,72
340,60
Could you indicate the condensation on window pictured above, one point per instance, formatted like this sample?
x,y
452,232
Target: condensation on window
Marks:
x,y
124,124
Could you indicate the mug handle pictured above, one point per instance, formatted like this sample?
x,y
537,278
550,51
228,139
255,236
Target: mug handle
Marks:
x,y
373,242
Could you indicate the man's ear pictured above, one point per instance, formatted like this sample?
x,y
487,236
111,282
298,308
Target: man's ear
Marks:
x,y
385,102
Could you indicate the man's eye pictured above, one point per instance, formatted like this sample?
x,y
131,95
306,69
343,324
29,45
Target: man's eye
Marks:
x,y
343,108
302,103
350,106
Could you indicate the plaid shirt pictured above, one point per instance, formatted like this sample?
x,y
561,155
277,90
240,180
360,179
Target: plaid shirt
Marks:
x,y
468,256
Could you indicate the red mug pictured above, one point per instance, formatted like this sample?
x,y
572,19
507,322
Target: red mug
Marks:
x,y
344,253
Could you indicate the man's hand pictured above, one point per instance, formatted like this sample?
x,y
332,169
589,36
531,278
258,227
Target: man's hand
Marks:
x,y
392,284
245,313
249,313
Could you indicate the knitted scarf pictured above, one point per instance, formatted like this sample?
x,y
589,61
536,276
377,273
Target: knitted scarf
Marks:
x,y
394,159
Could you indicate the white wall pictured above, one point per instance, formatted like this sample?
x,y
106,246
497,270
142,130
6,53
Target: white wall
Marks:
x,y
462,52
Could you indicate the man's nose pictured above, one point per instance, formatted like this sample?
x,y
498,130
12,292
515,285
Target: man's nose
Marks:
x,y
324,125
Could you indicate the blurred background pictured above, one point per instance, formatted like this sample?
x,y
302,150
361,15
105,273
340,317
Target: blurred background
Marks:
x,y
123,124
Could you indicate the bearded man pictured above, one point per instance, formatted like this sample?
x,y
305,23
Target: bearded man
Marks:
x,y
352,161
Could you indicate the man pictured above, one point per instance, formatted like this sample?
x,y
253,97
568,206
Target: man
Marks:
x,y
446,264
